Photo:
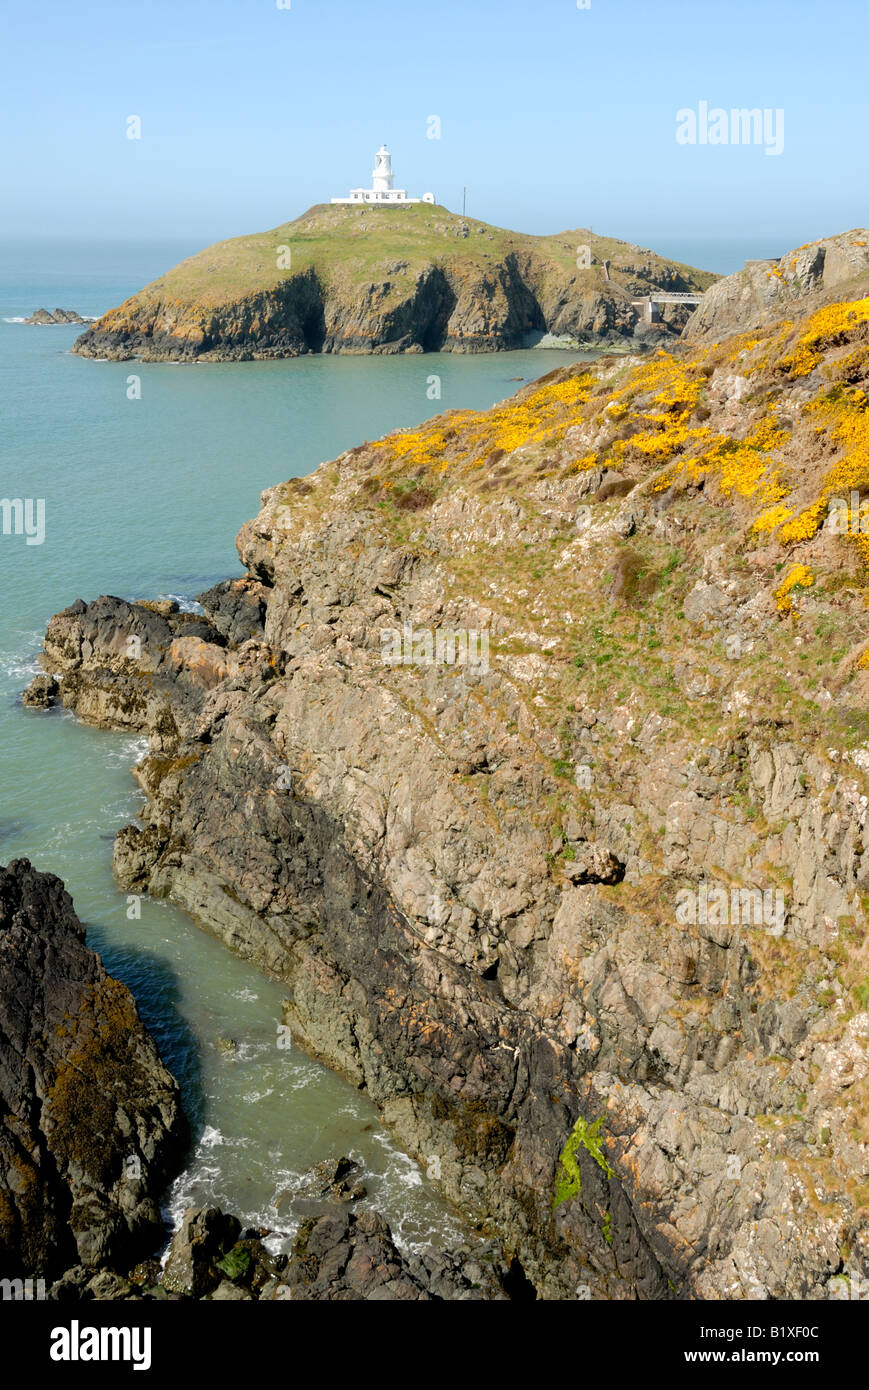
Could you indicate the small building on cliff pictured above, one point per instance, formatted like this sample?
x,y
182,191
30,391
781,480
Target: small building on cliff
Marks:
x,y
383,192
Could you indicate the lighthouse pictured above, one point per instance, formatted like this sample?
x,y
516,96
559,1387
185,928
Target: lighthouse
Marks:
x,y
383,192
383,177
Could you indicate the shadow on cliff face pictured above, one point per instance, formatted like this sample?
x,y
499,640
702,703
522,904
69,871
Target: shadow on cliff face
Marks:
x,y
422,320
300,318
312,317
517,1285
92,1128
526,315
156,987
436,300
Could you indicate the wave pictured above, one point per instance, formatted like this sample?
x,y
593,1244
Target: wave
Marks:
x,y
19,667
24,661
185,603
16,319
121,754
210,1138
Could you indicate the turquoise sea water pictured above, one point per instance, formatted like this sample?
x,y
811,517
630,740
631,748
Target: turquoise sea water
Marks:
x,y
143,498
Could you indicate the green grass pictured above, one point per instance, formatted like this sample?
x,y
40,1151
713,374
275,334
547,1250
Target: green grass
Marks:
x,y
361,244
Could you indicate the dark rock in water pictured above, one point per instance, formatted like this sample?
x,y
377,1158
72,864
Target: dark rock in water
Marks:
x,y
337,1255
137,640
43,318
210,1257
91,1125
337,1178
204,1237
41,693
343,1256
237,608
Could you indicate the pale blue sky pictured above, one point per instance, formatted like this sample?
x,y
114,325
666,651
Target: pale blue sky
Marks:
x,y
554,117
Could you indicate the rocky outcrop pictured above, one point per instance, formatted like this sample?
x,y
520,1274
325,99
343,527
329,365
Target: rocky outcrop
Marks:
x,y
91,1126
338,1256
585,914
44,318
41,693
821,272
421,279
353,1256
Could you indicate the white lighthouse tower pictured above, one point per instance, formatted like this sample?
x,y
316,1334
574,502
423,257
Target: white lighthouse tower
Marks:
x,y
383,192
384,179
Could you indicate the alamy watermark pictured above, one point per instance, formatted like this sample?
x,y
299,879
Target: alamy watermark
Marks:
x,y
23,517
739,126
22,1290
848,518
77,1343
425,646
720,906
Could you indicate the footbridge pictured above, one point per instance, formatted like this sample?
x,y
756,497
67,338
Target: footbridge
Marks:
x,y
649,301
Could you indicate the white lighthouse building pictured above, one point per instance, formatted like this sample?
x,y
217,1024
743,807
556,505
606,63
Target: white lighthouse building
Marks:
x,y
383,192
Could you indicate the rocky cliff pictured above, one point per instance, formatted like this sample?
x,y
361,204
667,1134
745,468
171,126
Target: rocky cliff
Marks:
x,y
822,272
343,279
532,752
91,1126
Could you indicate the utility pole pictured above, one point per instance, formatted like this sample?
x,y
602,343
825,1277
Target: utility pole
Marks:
x,y
464,200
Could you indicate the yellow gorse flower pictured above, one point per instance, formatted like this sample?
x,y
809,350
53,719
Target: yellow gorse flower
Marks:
x,y
545,414
830,325
799,577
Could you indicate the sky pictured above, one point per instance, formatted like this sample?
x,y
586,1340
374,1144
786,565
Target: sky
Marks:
x,y
552,114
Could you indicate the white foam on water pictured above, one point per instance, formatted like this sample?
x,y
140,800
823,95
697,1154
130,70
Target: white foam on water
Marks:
x,y
302,1080
201,1184
184,601
210,1138
247,1051
126,753
351,1110
18,318
20,668
24,661
246,995
422,1224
